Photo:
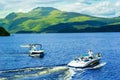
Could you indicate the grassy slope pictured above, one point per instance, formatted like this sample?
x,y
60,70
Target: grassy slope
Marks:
x,y
47,19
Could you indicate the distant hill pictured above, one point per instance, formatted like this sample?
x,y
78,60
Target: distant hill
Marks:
x,y
108,28
3,32
48,19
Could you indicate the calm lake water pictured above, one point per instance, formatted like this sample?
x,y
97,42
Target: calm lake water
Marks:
x,y
60,49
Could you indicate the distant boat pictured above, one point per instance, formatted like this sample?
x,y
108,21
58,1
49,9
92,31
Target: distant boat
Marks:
x,y
85,61
35,50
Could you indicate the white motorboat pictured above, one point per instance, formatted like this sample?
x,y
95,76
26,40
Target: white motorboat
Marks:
x,y
85,61
35,50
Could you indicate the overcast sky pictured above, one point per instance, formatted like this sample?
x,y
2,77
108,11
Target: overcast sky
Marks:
x,y
101,8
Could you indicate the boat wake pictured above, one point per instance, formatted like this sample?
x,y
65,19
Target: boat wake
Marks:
x,y
65,72
31,72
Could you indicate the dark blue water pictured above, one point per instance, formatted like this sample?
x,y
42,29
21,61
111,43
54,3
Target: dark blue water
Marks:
x,y
60,49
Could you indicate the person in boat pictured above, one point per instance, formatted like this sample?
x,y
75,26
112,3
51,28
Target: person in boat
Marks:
x,y
98,55
90,53
34,47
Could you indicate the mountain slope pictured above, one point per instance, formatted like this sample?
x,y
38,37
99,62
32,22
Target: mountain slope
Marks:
x,y
108,28
3,32
48,19
73,26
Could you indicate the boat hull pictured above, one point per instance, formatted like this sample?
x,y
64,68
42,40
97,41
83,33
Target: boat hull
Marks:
x,y
39,53
81,64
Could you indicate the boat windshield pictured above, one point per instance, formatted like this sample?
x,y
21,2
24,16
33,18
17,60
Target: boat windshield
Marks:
x,y
35,47
84,55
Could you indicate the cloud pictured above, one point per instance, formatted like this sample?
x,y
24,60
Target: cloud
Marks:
x,y
1,6
101,8
8,6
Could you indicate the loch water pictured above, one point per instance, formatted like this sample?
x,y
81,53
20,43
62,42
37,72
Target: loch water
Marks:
x,y
60,49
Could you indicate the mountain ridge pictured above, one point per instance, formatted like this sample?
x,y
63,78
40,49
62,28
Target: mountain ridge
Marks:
x,y
47,19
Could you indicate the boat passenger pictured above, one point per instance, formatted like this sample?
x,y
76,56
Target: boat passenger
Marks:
x,y
34,47
90,53
98,55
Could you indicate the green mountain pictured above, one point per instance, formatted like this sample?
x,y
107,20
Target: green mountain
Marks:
x,y
48,19
108,28
3,32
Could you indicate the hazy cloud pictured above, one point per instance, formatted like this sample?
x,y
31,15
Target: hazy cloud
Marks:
x,y
104,8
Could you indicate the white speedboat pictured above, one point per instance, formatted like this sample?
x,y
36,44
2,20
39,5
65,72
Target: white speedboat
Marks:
x,y
35,50
85,61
